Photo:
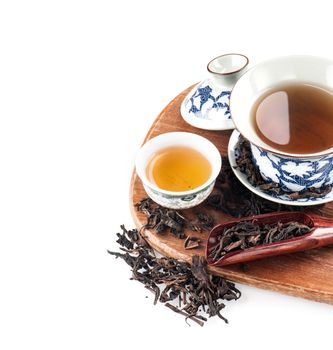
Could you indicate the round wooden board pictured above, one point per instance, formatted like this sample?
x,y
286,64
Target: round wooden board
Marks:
x,y
307,274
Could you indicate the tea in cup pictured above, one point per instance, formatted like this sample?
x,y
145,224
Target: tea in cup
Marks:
x,y
284,108
178,169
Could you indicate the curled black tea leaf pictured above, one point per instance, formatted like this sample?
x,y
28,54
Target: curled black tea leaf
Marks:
x,y
192,242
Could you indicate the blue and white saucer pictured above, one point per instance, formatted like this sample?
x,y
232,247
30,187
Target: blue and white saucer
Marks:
x,y
207,107
283,199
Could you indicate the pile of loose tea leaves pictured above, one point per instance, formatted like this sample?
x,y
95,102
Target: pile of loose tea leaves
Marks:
x,y
163,219
199,294
247,234
246,166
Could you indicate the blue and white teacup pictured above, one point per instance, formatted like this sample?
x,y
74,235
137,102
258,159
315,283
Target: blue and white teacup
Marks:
x,y
293,172
173,199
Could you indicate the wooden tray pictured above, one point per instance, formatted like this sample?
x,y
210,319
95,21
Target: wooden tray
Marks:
x,y
307,274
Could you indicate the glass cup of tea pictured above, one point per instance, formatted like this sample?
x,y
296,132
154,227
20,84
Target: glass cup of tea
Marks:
x,y
178,169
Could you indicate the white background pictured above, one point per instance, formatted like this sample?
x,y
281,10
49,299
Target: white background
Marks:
x,y
80,84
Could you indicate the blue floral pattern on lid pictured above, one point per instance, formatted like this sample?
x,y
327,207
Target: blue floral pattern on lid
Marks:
x,y
207,105
205,101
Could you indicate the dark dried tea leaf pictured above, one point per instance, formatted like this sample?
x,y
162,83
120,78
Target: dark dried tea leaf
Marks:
x,y
192,242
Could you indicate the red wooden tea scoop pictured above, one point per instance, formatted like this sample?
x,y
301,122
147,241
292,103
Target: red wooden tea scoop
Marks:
x,y
321,234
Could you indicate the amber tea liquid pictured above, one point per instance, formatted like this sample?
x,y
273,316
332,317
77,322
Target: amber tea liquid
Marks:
x,y
295,118
178,169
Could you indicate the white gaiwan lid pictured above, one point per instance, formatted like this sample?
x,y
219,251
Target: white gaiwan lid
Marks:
x,y
207,104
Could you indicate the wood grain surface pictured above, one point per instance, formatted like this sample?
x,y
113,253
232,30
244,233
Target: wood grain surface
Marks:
x,y
307,274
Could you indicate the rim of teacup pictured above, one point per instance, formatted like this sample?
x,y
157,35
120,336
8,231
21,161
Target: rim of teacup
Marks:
x,y
263,146
328,152
148,149
294,158
241,67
